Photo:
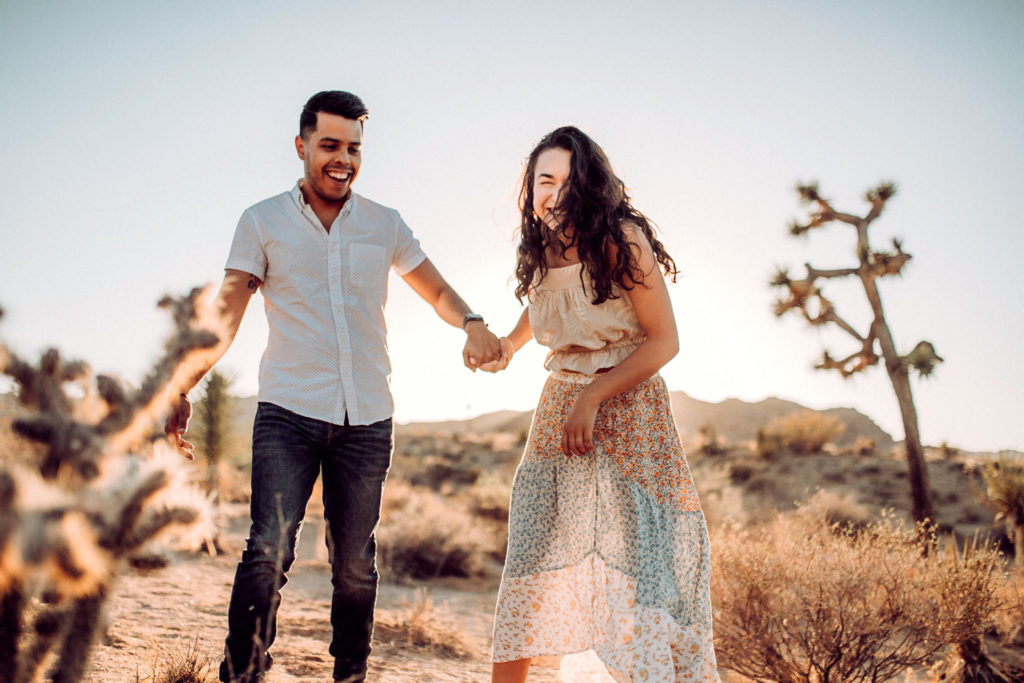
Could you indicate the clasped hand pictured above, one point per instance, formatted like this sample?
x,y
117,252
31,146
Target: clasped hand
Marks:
x,y
502,361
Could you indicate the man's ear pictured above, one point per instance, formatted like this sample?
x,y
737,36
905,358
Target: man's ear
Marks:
x,y
300,147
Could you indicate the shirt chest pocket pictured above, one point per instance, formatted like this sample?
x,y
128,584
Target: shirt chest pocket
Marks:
x,y
368,266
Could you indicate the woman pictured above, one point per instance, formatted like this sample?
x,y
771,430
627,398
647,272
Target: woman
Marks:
x,y
608,549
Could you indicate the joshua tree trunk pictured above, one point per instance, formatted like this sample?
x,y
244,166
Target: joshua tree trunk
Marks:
x,y
917,471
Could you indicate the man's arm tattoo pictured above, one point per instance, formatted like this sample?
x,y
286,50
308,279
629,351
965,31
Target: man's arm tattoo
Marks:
x,y
254,283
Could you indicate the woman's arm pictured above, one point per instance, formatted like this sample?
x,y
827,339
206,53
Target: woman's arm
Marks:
x,y
522,332
511,343
653,308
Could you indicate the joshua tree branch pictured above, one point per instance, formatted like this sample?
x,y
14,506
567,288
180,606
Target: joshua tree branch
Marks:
x,y
814,273
826,208
834,317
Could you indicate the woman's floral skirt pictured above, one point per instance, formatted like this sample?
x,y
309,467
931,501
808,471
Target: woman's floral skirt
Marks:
x,y
607,552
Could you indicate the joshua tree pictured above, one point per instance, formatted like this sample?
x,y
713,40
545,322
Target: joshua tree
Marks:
x,y
805,296
213,417
72,515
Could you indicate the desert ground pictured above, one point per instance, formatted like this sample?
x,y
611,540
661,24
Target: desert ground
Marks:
x,y
442,542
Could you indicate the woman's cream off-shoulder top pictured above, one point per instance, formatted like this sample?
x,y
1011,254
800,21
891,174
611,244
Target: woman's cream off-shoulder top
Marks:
x,y
582,337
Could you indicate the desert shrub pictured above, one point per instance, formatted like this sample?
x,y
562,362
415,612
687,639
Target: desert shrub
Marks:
x,y
835,508
862,445
421,626
798,599
805,432
768,445
90,498
1003,493
424,535
739,472
443,473
721,500
1008,621
946,451
489,498
709,443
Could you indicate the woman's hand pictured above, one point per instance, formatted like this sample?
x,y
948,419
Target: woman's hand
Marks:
x,y
502,362
578,432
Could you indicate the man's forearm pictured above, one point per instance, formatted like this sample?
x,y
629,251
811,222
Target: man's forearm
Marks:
x,y
229,307
451,308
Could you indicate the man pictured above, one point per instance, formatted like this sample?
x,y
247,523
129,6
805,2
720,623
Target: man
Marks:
x,y
321,255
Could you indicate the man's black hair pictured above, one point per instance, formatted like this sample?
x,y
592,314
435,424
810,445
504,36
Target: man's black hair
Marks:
x,y
337,102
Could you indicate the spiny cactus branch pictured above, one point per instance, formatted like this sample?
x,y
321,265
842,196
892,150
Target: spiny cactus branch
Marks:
x,y
194,333
69,534
156,522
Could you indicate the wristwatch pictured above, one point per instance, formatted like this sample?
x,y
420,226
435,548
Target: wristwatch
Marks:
x,y
470,317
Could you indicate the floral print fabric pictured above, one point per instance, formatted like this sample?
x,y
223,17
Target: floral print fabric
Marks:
x,y
607,552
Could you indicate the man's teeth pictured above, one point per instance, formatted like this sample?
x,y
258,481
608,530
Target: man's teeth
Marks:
x,y
337,175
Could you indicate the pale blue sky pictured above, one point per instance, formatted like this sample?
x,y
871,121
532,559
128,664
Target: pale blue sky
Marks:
x,y
134,134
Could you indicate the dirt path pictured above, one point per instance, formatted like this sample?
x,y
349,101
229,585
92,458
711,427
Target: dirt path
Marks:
x,y
158,615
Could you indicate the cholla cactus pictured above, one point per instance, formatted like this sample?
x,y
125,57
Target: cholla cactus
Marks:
x,y
102,486
805,295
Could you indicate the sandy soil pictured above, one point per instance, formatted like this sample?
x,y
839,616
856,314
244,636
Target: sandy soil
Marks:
x,y
160,613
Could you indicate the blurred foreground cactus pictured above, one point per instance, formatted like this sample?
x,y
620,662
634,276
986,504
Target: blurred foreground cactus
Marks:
x,y
805,295
1003,493
102,484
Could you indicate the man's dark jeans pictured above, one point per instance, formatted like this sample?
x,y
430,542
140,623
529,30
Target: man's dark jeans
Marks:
x,y
288,452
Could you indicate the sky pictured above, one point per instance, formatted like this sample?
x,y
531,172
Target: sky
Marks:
x,y
133,135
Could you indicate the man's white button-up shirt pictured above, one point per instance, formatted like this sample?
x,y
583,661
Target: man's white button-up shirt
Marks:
x,y
324,294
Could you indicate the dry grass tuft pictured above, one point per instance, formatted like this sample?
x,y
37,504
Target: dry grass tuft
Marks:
x,y
186,662
803,433
800,599
422,627
426,535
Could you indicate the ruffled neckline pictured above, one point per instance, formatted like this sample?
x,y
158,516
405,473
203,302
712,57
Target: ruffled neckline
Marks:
x,y
562,277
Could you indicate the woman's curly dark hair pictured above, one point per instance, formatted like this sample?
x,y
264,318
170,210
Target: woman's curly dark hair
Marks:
x,y
596,206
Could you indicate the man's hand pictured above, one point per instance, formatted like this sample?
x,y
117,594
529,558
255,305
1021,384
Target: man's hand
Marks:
x,y
176,425
506,356
481,346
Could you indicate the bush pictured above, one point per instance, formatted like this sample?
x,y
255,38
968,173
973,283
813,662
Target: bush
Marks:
x,y
424,535
805,432
421,627
710,443
185,663
768,445
798,599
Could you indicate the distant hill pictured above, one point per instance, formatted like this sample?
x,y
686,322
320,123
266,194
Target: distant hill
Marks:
x,y
737,420
733,419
